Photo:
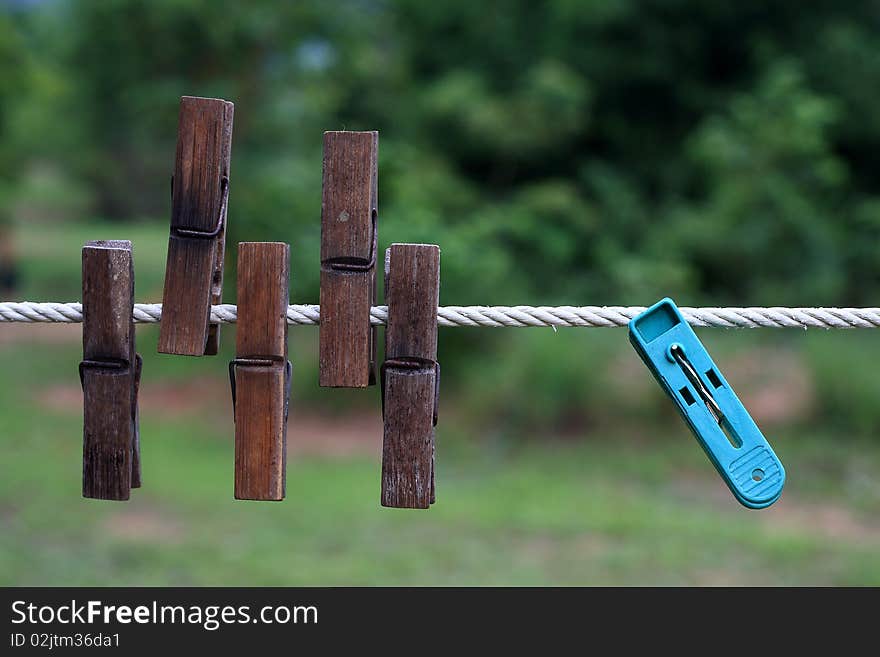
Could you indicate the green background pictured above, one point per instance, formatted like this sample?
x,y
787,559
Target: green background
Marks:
x,y
565,152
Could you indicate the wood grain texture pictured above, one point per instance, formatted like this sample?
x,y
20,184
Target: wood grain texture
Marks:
x,y
260,433
110,372
349,225
263,296
262,389
346,340
349,195
408,440
108,299
194,268
136,480
107,434
412,292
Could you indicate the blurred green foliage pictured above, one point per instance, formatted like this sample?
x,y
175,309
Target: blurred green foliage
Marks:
x,y
559,151
569,151
562,152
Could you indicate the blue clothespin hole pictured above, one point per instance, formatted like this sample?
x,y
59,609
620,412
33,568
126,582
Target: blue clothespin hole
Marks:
x,y
676,354
721,424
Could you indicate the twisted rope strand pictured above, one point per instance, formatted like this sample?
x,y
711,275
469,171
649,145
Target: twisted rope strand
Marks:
x,y
500,316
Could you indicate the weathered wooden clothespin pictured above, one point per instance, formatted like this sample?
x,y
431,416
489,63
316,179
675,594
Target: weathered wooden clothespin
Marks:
x,y
349,240
260,374
199,195
410,375
109,372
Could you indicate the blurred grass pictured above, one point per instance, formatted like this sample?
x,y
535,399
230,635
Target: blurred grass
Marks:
x,y
51,262
621,508
615,497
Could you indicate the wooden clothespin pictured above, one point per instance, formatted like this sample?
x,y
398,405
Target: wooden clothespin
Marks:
x,y
260,374
349,240
109,372
199,195
410,375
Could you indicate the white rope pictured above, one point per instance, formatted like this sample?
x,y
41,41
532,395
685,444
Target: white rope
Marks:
x,y
497,316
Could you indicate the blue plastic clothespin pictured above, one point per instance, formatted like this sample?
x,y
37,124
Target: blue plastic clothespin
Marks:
x,y
721,424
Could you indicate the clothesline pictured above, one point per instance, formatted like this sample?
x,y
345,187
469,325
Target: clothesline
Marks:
x,y
500,316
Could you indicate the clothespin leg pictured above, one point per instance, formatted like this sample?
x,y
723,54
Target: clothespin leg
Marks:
x,y
136,421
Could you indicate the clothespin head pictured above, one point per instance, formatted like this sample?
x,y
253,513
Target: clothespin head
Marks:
x,y
410,375
349,240
109,372
260,375
706,401
196,246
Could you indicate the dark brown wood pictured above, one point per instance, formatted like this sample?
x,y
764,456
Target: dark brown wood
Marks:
x,y
349,232
410,375
260,373
110,372
196,246
136,417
